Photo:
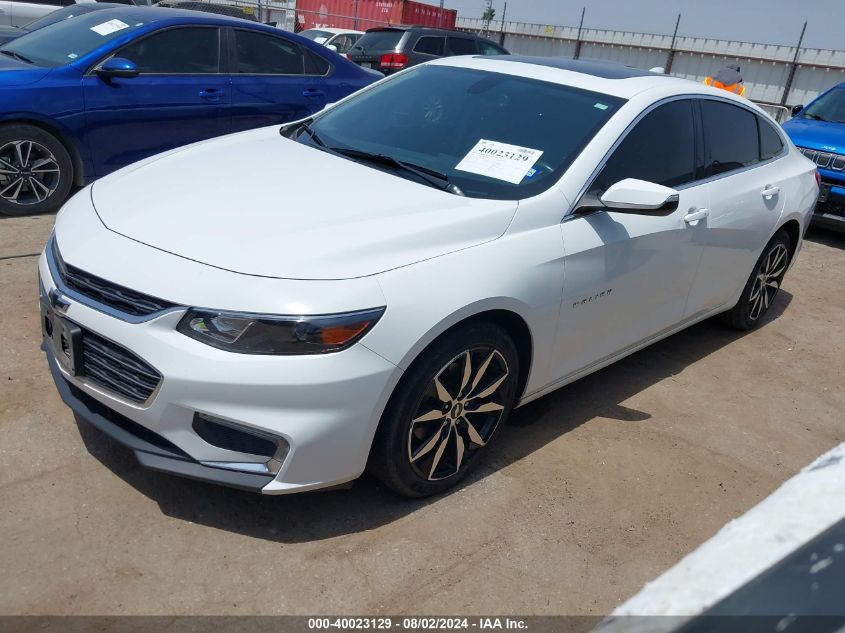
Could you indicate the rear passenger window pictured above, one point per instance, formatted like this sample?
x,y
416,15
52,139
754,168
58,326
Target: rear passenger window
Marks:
x,y
462,46
315,64
430,46
487,48
731,137
660,149
260,54
770,142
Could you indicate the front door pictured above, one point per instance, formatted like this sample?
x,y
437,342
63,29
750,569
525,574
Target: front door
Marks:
x,y
180,96
627,276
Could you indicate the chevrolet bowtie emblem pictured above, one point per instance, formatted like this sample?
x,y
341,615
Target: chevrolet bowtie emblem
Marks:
x,y
58,301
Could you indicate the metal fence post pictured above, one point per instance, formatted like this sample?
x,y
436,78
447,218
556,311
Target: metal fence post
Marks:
x,y
356,16
578,39
670,58
502,34
793,68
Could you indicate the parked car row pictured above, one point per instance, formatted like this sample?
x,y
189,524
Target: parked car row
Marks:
x,y
394,48
105,89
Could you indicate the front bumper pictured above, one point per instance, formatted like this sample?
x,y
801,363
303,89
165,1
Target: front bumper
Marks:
x,y
152,451
830,210
325,407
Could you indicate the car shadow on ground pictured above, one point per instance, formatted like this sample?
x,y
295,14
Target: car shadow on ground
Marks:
x,y
367,504
826,237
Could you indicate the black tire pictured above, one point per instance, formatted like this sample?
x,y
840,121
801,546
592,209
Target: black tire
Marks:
x,y
763,284
404,433
36,179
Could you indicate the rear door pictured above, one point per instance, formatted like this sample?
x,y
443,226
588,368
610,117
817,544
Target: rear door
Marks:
x,y
456,45
429,47
273,80
180,96
746,195
628,275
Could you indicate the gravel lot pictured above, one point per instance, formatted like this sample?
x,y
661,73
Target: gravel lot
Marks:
x,y
590,493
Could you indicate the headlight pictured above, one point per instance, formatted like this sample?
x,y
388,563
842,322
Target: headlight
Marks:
x,y
265,334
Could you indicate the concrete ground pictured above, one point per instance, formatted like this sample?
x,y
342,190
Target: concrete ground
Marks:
x,y
590,492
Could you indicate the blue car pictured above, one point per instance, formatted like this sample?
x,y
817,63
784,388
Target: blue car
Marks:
x,y
83,97
819,131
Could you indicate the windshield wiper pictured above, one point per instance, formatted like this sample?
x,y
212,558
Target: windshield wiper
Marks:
x,y
17,56
314,136
432,177
816,117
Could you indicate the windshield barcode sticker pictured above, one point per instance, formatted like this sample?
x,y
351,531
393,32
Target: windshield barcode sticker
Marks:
x,y
112,26
501,161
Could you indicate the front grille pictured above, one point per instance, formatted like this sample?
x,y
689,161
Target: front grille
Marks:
x,y
825,160
117,369
105,292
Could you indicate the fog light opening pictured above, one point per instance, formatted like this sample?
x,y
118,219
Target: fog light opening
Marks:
x,y
234,437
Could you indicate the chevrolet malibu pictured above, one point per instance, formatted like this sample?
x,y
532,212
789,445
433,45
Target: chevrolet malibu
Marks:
x,y
487,230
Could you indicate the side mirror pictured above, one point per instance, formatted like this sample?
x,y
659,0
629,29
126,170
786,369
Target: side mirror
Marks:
x,y
332,47
640,197
117,67
796,109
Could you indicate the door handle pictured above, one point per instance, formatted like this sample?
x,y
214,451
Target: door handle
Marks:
x,y
769,191
211,94
695,216
313,93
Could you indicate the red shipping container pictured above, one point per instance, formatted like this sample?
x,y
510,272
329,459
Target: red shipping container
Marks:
x,y
368,14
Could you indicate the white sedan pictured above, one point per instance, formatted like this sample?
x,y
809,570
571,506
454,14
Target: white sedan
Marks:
x,y
503,227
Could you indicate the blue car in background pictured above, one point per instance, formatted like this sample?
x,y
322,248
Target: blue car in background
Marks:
x,y
819,132
83,97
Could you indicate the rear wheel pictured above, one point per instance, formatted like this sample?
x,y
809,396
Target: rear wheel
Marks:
x,y
446,411
36,172
763,285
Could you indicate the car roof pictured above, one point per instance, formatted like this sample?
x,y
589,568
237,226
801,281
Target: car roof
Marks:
x,y
429,30
598,76
597,68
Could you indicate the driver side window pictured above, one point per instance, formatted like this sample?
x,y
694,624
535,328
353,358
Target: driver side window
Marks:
x,y
179,51
660,149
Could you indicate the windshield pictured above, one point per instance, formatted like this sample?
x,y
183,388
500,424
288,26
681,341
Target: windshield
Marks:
x,y
492,135
63,14
63,42
316,34
828,107
379,40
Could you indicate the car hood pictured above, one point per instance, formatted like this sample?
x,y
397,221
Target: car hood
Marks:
x,y
16,73
260,204
821,135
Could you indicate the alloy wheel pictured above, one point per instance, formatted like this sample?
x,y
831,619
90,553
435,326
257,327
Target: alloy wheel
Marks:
x,y
29,172
767,282
458,413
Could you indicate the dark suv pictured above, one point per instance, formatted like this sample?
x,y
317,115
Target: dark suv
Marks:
x,y
393,48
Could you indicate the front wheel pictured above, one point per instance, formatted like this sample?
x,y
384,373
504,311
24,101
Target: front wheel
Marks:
x,y
446,411
36,172
763,285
